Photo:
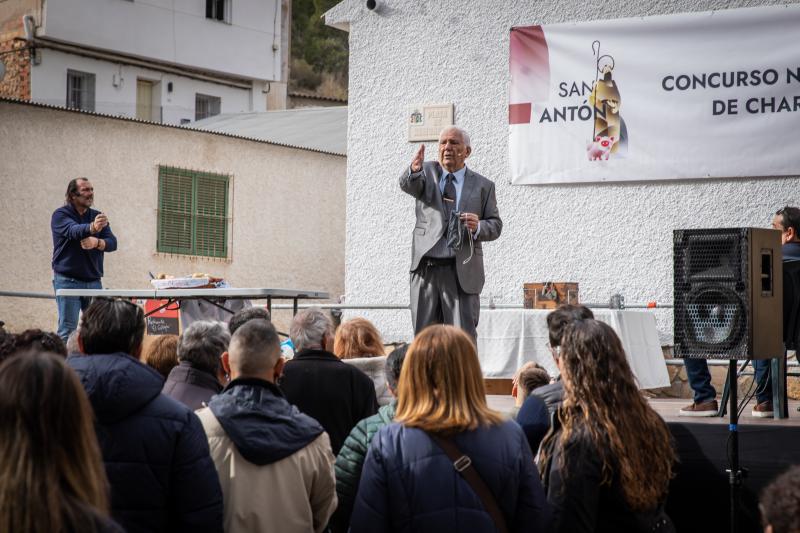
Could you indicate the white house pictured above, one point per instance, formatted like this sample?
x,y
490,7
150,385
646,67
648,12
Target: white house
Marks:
x,y
170,62
609,237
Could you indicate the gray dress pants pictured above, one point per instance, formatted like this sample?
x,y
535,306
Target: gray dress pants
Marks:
x,y
437,298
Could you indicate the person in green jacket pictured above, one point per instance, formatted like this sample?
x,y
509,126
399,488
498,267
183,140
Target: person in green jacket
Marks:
x,y
351,457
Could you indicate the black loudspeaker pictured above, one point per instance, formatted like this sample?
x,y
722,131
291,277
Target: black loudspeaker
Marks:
x,y
728,293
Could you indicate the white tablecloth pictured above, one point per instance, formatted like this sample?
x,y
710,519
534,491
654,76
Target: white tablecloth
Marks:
x,y
508,338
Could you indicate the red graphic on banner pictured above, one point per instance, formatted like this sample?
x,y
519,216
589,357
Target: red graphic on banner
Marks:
x,y
530,72
519,113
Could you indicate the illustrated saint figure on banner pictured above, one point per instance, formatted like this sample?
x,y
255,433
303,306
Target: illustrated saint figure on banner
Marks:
x,y
609,134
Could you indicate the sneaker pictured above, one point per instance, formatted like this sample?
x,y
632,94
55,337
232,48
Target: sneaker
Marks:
x,y
709,408
763,410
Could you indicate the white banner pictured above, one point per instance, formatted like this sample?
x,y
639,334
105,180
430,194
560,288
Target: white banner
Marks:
x,y
712,94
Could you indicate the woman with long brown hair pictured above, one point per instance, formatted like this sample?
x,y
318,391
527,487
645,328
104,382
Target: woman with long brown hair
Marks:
x,y
411,482
358,343
607,462
52,478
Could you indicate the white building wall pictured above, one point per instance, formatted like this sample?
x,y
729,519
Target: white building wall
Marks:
x,y
607,237
115,88
175,31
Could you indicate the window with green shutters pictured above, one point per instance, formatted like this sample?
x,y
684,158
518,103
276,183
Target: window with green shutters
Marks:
x,y
192,212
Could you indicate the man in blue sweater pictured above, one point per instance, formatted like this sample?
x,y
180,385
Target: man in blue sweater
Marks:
x,y
81,236
787,221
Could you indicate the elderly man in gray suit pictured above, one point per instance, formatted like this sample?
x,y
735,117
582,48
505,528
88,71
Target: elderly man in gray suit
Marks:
x,y
445,283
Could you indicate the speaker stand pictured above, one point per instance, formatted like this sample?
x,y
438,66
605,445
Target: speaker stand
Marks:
x,y
734,472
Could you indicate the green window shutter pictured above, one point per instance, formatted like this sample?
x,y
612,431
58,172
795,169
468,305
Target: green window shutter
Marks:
x,y
192,212
174,211
211,203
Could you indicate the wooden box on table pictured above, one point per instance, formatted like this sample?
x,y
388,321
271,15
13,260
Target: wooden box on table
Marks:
x,y
550,294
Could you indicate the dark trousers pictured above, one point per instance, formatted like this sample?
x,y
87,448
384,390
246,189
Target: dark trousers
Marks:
x,y
700,380
437,298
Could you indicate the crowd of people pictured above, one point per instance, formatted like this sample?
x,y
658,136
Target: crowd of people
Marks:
x,y
215,430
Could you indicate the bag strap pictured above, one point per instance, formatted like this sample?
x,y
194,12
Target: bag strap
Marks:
x,y
463,465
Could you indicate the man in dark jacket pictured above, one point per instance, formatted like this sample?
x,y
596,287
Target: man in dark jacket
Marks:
x,y
350,460
154,449
557,321
81,237
787,221
197,377
320,384
275,463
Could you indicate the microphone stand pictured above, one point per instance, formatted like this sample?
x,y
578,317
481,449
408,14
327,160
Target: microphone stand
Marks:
x,y
734,471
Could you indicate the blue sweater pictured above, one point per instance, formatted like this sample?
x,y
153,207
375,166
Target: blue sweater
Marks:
x,y
791,251
69,259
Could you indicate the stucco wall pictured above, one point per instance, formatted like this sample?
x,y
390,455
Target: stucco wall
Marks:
x,y
287,204
607,237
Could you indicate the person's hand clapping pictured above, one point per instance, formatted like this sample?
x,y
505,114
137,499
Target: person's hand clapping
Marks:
x,y
100,222
416,163
89,243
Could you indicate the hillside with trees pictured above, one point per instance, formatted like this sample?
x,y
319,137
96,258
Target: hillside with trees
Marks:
x,y
319,53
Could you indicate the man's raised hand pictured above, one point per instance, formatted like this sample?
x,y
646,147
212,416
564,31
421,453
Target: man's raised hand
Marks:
x,y
416,163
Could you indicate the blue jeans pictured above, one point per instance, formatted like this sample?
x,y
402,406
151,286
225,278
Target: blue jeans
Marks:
x,y
700,380
763,380
69,307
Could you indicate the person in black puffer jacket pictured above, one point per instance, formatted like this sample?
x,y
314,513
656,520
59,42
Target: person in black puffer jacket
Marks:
x,y
154,449
607,463
409,484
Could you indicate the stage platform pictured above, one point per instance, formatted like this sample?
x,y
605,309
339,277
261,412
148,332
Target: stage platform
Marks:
x,y
699,496
668,409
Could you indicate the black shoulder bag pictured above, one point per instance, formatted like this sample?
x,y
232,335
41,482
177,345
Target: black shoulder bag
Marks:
x,y
463,465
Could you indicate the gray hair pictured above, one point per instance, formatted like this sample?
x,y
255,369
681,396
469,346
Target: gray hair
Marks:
x,y
462,132
202,344
308,327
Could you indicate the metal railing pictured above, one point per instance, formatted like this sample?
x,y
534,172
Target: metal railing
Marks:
x,y
672,361
371,306
483,306
17,294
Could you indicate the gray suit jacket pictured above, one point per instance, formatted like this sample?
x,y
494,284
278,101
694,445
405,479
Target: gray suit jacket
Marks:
x,y
477,196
